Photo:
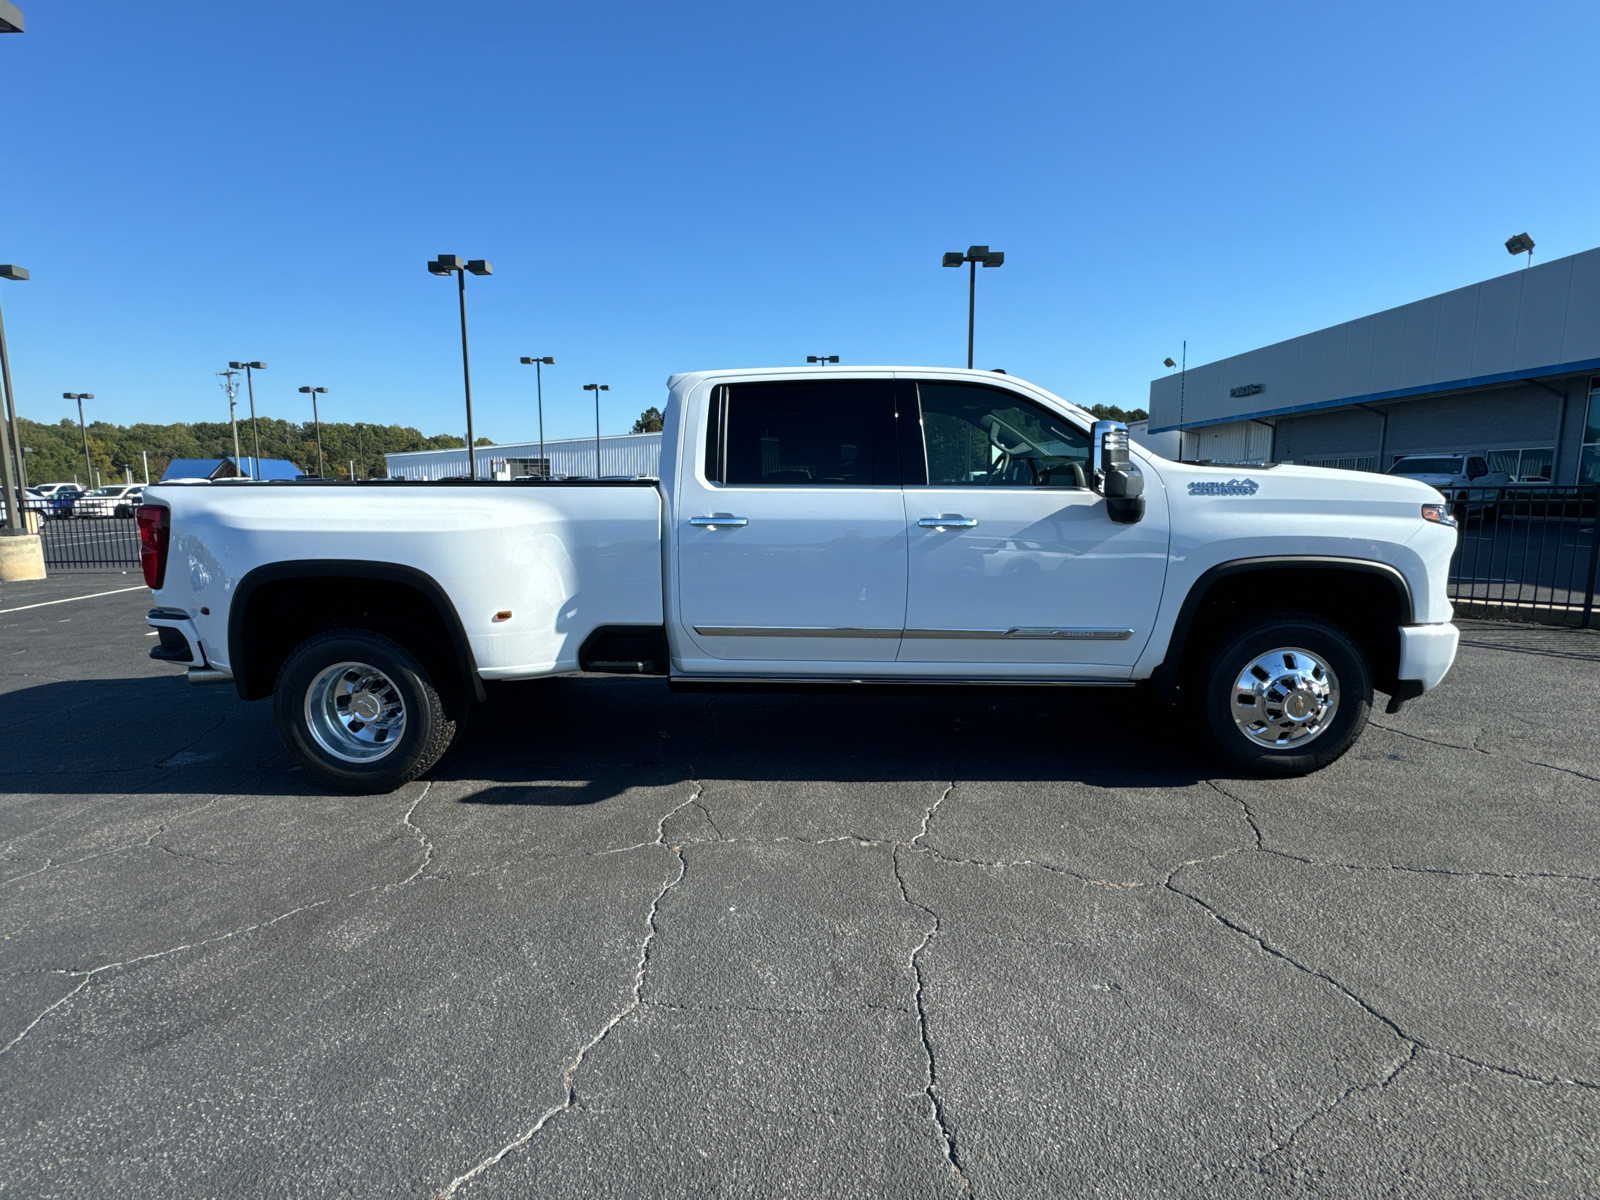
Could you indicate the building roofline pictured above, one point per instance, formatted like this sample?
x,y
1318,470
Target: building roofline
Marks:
x,y
1454,385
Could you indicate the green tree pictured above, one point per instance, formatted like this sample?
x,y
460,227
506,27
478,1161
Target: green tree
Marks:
x,y
650,421
1110,412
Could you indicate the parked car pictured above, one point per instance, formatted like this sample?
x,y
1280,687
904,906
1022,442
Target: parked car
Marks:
x,y
117,500
820,530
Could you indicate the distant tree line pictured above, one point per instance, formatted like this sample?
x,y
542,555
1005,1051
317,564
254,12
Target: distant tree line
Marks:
x,y
1110,412
114,450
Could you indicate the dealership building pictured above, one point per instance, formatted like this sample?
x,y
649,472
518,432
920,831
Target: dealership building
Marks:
x,y
1508,369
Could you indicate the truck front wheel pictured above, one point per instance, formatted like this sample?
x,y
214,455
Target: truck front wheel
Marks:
x,y
359,713
1286,694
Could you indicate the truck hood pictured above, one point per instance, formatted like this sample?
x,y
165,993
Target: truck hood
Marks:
x,y
1191,482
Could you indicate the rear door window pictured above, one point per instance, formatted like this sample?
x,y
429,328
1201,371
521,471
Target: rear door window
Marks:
x,y
826,433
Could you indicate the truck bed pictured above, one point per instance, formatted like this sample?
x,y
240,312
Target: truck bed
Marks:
x,y
561,557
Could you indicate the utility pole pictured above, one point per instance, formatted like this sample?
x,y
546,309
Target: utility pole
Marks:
x,y
230,385
1183,383
146,455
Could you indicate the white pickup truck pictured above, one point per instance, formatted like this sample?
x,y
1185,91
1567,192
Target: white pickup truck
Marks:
x,y
881,527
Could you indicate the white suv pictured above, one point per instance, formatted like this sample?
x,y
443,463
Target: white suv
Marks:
x,y
109,501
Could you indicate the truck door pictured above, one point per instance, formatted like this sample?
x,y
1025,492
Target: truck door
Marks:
x,y
1014,562
791,534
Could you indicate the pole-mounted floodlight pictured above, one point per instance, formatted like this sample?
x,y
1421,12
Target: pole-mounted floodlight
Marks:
x,y
596,388
10,17
250,387
1167,362
976,255
1521,244
453,264
316,419
539,364
12,470
80,397
822,358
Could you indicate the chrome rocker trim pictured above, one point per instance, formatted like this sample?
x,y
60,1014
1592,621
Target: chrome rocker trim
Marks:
x,y
1016,632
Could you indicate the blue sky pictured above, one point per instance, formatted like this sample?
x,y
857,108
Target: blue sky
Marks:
x,y
672,187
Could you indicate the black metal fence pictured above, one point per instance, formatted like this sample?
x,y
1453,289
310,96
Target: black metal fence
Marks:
x,y
1526,552
90,543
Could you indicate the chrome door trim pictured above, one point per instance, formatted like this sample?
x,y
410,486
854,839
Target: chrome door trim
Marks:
x,y
1025,632
950,521
719,521
803,631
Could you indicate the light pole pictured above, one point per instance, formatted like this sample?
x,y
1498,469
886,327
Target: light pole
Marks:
x,y
250,387
452,264
1521,244
10,446
822,358
314,392
538,368
597,388
80,397
974,255
1183,381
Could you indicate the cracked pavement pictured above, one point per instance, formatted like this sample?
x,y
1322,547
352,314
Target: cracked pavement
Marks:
x,y
625,943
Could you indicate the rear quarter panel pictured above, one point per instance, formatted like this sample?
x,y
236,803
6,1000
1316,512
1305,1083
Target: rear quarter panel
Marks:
x,y
561,560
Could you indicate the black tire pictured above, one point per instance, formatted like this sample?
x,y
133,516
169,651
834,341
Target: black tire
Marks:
x,y
1239,648
425,735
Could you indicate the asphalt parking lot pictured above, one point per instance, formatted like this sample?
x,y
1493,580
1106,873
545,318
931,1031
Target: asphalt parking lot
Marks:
x,y
625,943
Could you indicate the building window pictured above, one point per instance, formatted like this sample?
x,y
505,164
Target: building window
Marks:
x,y
1357,462
1524,466
528,468
1589,463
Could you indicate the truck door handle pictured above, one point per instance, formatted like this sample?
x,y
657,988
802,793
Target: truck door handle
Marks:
x,y
952,521
717,520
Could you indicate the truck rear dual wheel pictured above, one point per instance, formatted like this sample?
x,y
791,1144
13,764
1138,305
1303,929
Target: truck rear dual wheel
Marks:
x,y
359,712
1285,694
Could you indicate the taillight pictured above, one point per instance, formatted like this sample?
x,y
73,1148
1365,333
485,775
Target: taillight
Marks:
x,y
154,529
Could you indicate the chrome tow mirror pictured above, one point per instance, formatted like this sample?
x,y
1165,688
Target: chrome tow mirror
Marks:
x,y
1116,477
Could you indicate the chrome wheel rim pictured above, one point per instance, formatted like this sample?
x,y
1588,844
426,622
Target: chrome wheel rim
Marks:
x,y
355,712
1285,698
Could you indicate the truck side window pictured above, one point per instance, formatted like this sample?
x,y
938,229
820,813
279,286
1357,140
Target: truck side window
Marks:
x,y
804,434
985,437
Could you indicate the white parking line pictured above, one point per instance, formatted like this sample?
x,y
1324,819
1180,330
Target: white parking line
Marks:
x,y
70,599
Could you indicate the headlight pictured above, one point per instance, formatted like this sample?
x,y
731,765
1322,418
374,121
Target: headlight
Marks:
x,y
1439,514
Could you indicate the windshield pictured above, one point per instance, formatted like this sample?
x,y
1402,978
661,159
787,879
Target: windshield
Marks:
x,y
1426,466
